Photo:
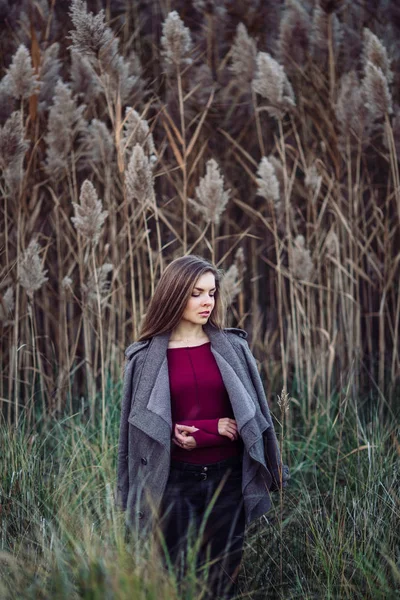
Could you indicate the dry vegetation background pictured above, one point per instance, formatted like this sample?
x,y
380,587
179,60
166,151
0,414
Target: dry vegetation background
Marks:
x,y
264,135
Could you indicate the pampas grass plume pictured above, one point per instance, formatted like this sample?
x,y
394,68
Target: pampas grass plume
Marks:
x,y
64,124
348,100
376,90
31,272
375,52
212,7
244,54
91,35
332,243
20,77
294,36
284,400
99,143
312,179
49,75
302,266
12,143
89,216
267,182
230,285
211,198
272,83
89,289
137,131
66,283
240,260
139,177
351,111
320,34
84,81
6,305
176,41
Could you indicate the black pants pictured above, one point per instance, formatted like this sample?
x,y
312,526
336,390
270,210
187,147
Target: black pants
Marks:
x,y
195,509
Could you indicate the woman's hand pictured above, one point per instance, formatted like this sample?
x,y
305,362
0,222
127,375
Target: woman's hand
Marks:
x,y
228,427
182,438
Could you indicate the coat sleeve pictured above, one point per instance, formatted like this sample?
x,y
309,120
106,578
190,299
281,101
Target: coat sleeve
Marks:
x,y
280,472
122,488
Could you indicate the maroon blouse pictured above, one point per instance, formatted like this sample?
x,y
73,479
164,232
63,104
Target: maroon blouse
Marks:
x,y
199,398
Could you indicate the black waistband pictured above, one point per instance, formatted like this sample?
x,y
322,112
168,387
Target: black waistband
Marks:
x,y
217,466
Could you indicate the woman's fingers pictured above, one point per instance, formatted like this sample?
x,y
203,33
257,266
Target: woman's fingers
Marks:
x,y
181,437
188,443
231,428
228,428
182,432
188,428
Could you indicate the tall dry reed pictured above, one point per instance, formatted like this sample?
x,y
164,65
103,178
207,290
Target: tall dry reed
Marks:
x,y
200,135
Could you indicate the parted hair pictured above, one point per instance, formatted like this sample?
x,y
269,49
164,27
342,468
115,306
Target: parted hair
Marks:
x,y
173,292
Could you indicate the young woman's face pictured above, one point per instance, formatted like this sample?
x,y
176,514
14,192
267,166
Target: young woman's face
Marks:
x,y
201,302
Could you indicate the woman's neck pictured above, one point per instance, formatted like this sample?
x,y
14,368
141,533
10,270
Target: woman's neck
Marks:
x,y
187,332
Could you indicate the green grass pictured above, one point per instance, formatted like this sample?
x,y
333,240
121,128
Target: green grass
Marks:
x,y
61,536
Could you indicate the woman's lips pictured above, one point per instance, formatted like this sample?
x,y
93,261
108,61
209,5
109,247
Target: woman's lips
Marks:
x,y
205,313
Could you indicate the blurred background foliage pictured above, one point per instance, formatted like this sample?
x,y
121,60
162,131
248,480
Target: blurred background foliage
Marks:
x,y
263,135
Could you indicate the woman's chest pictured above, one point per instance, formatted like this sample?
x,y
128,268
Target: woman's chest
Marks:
x,y
196,387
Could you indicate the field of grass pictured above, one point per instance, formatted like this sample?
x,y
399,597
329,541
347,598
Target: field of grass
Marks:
x,y
334,533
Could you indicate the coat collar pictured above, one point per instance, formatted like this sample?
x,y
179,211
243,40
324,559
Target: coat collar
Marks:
x,y
151,406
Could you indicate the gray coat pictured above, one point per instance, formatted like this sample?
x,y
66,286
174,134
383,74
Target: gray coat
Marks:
x,y
146,426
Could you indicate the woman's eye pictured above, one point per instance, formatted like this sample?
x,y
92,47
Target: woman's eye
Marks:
x,y
197,295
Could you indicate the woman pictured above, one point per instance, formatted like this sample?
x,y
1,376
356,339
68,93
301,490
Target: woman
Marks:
x,y
198,454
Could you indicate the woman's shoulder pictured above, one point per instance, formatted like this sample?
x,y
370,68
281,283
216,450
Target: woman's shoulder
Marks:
x,y
135,347
235,333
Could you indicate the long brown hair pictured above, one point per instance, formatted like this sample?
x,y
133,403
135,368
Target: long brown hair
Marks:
x,y
173,292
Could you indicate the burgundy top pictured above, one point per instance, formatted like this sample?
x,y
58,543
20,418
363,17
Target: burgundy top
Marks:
x,y
199,398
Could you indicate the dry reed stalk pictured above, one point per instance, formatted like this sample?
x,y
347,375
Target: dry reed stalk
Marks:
x,y
278,269
211,200
118,125
331,60
101,153
175,137
282,153
177,43
284,405
102,361
184,165
139,186
31,278
12,150
240,263
255,288
243,67
88,220
67,353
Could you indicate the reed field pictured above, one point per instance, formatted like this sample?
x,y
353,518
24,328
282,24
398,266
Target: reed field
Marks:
x,y
264,136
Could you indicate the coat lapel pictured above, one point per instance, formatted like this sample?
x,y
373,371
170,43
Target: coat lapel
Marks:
x,y
151,408
151,405
250,421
